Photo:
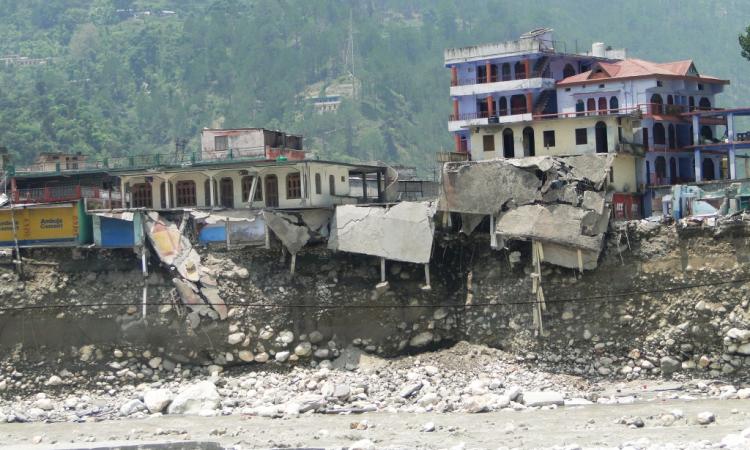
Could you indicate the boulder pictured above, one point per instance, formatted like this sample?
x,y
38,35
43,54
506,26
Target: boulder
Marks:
x,y
157,399
543,398
196,399
132,407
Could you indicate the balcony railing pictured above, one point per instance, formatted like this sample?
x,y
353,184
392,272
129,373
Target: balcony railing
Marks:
x,y
443,157
145,161
484,114
498,78
63,194
643,109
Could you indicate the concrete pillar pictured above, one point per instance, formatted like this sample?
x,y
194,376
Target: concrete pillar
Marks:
x,y
454,76
490,106
529,101
364,186
696,130
122,191
168,193
211,193
698,165
455,109
527,67
732,153
380,189
488,71
458,142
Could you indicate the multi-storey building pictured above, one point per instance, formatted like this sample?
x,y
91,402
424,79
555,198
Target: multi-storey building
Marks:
x,y
659,119
510,81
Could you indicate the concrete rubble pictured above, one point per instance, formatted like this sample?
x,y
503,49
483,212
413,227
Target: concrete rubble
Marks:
x,y
402,232
559,202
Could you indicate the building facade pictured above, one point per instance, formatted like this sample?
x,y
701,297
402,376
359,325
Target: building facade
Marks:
x,y
660,120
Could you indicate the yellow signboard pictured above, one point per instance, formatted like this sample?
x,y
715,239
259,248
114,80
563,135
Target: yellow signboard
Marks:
x,y
40,224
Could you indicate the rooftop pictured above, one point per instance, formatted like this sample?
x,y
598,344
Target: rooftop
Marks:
x,y
638,68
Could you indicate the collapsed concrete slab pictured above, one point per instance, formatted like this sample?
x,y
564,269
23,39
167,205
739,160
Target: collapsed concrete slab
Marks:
x,y
558,202
403,232
293,234
172,247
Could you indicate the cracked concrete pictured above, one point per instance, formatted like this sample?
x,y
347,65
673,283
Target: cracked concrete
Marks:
x,y
403,232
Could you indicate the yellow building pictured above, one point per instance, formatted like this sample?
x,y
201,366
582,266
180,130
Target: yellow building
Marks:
x,y
566,136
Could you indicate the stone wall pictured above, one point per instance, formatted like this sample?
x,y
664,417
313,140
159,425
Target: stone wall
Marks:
x,y
631,317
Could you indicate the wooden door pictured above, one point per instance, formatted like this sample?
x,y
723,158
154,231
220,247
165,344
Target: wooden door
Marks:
x,y
227,193
272,191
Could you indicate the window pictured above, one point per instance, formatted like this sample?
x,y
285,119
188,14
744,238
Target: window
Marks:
x,y
343,179
140,195
601,86
293,186
581,136
185,193
247,185
567,89
332,185
488,140
221,143
700,86
318,187
659,83
549,138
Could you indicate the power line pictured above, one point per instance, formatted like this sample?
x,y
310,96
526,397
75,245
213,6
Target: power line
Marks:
x,y
588,299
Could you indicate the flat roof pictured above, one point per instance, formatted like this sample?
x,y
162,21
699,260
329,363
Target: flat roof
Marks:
x,y
240,162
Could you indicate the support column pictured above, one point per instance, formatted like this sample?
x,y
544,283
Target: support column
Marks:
x,y
211,193
454,76
529,102
458,142
490,106
364,186
732,153
698,165
455,109
488,71
380,189
168,193
122,191
527,67
696,130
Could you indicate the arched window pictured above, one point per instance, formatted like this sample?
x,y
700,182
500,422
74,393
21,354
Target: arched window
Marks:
x,y
140,196
673,169
614,105
331,185
660,166
580,108
318,184
660,137
272,191
602,106
671,136
568,71
601,137
502,106
247,185
590,106
691,103
670,99
705,103
508,144
528,142
293,186
520,69
657,104
518,104
185,193
506,72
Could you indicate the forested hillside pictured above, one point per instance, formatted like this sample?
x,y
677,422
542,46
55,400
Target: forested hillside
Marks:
x,y
122,81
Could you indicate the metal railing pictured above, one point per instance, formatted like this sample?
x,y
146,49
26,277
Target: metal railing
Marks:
x,y
63,194
468,81
642,108
146,161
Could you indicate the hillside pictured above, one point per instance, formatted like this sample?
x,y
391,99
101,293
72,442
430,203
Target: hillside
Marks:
x,y
119,80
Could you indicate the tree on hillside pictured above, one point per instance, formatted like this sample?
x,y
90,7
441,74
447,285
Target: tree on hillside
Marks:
x,y
745,43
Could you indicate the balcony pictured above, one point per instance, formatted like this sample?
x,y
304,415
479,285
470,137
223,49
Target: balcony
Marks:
x,y
478,86
443,157
642,109
457,122
64,194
